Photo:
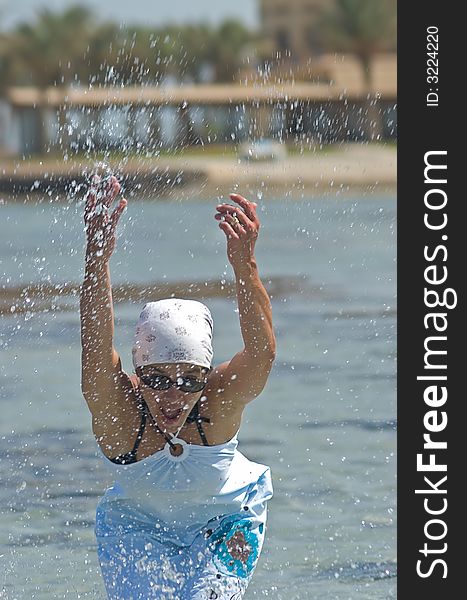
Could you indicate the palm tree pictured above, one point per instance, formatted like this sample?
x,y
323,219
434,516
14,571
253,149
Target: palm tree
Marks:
x,y
50,51
4,79
364,28
61,49
5,61
226,49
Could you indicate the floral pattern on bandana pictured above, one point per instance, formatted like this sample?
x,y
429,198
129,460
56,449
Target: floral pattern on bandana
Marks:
x,y
174,331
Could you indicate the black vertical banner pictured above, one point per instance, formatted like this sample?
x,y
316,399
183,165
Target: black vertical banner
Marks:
x,y
432,436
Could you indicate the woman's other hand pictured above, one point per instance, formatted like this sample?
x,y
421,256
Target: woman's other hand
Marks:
x,y
241,226
100,226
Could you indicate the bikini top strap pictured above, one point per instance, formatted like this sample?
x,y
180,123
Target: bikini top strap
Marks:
x,y
130,457
142,408
195,417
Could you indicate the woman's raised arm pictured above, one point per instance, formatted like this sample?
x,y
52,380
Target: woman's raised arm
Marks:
x,y
99,357
244,377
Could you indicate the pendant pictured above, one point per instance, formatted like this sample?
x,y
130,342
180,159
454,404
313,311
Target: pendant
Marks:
x,y
177,450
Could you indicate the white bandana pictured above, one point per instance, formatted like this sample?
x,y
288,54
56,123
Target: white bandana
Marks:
x,y
174,331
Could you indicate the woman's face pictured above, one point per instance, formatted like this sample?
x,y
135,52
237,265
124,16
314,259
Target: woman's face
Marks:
x,y
170,408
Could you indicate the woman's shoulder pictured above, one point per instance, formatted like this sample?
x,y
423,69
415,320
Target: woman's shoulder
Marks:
x,y
114,427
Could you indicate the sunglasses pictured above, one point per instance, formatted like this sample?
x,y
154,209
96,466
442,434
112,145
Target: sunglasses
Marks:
x,y
184,384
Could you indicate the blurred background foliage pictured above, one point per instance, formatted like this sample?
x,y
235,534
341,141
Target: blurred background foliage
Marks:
x,y
73,48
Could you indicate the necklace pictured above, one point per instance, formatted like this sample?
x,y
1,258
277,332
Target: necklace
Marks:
x,y
175,449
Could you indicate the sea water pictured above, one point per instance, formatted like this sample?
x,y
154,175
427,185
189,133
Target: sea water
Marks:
x,y
325,422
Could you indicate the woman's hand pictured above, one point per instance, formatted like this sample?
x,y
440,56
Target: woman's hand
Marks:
x,y
243,378
100,226
241,226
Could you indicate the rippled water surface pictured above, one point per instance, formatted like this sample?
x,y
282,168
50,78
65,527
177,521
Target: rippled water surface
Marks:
x,y
326,422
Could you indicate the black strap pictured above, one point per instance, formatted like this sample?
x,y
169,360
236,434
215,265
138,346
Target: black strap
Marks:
x,y
142,426
195,417
130,457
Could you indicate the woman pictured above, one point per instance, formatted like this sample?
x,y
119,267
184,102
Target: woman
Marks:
x,y
185,518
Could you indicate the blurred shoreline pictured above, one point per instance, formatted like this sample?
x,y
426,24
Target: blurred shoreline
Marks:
x,y
336,168
46,297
